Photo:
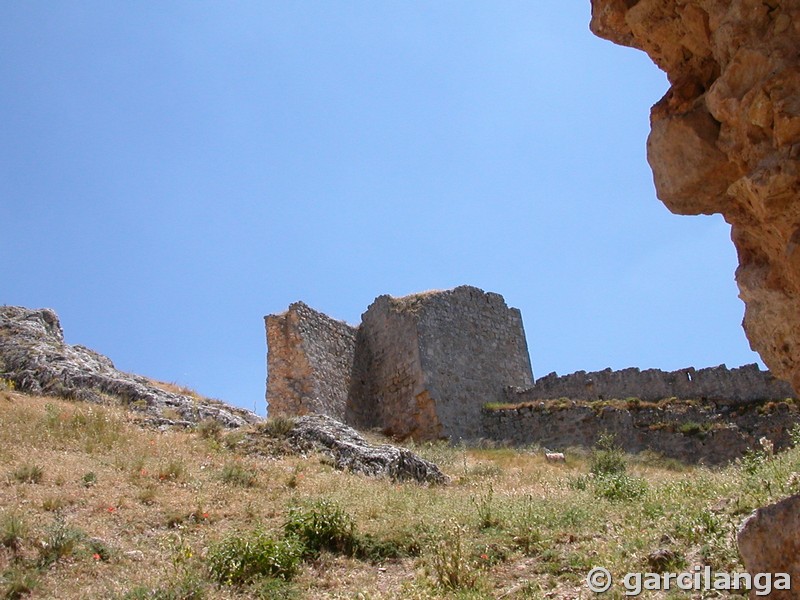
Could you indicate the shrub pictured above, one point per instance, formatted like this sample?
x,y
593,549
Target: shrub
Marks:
x,y
525,527
232,440
274,589
690,428
187,588
100,549
147,495
277,427
54,503
377,550
174,470
607,457
794,435
18,582
619,487
59,542
452,566
236,474
89,479
178,518
244,557
322,526
752,461
487,512
209,429
171,414
28,473
12,531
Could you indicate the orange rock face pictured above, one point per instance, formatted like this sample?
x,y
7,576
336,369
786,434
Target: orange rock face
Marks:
x,y
726,139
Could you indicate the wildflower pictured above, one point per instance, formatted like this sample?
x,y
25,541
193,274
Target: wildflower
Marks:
x,y
96,556
110,509
485,556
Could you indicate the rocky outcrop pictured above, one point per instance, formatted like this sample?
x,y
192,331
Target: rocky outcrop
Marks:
x,y
726,139
34,356
351,452
769,542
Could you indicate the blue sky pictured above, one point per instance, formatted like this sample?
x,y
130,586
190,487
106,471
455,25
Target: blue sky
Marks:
x,y
170,172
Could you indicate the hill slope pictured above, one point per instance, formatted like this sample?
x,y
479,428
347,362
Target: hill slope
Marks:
x,y
96,506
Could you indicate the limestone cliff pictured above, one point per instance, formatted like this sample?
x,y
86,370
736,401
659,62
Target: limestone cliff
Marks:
x,y
726,139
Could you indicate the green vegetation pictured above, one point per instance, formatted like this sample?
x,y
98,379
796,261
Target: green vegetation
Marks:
x,y
322,525
13,530
124,512
28,473
241,558
235,473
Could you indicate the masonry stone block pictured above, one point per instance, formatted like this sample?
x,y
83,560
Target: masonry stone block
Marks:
x,y
309,360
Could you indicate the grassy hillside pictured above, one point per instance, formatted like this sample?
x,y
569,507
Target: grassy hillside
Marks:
x,y
94,506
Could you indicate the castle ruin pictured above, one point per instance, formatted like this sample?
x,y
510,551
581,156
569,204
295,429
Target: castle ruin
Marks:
x,y
309,362
427,365
420,366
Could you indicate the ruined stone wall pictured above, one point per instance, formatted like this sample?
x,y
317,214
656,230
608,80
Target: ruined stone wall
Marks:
x,y
472,345
688,432
309,361
432,360
388,385
741,385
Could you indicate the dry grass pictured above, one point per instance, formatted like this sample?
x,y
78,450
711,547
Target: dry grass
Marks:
x,y
174,388
124,512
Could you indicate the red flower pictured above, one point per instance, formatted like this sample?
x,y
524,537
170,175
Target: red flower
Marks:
x,y
111,509
485,556
96,556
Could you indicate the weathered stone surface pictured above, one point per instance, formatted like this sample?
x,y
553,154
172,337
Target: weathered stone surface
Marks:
x,y
352,452
687,431
34,356
723,386
420,366
726,139
309,360
769,542
425,364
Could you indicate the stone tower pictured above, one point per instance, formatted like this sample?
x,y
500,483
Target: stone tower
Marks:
x,y
425,364
420,366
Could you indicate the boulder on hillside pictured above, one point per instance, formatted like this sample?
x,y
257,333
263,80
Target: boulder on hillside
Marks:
x,y
35,357
769,542
350,451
